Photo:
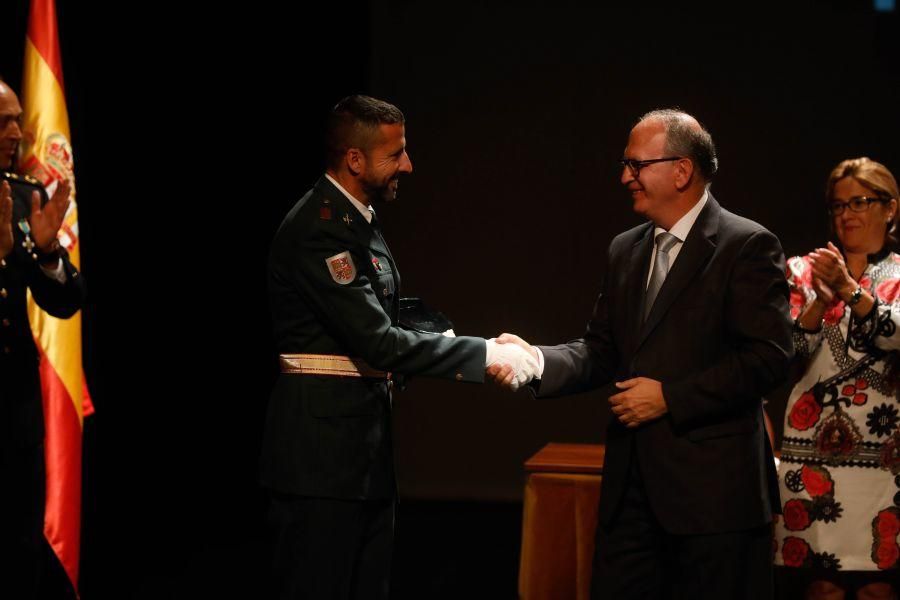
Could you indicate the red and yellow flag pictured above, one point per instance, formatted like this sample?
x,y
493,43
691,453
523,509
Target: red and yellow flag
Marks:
x,y
47,155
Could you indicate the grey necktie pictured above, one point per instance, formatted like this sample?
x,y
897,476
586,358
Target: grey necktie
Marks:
x,y
664,242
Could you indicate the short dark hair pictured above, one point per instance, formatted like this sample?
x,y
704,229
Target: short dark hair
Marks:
x,y
683,139
354,123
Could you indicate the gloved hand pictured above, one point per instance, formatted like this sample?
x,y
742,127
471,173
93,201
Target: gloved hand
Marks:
x,y
523,364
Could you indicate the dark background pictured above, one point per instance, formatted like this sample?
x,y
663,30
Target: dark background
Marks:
x,y
195,130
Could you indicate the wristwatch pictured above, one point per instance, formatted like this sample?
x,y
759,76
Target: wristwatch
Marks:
x,y
855,296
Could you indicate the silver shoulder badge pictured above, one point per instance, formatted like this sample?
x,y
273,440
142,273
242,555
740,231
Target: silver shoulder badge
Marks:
x,y
341,267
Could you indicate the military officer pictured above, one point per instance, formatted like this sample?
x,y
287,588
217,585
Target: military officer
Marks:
x,y
327,455
32,259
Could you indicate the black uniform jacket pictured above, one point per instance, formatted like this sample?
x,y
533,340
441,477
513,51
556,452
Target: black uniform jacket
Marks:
x,y
334,289
718,337
21,412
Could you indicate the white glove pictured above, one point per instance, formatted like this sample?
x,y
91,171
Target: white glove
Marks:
x,y
524,365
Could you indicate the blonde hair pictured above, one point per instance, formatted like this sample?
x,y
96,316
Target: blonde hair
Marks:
x,y
872,175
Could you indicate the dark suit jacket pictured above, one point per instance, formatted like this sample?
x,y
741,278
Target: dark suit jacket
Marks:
x,y
21,412
718,337
331,436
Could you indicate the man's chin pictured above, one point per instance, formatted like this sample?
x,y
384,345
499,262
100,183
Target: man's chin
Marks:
x,y
639,206
389,194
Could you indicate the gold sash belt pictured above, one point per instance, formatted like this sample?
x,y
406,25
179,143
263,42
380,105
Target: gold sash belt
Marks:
x,y
328,364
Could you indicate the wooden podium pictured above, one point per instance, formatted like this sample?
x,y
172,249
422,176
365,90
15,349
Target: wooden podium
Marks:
x,y
562,492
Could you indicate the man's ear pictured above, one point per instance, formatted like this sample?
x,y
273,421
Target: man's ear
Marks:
x,y
684,173
356,161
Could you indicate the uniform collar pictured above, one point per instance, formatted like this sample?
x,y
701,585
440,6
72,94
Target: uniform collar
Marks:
x,y
366,211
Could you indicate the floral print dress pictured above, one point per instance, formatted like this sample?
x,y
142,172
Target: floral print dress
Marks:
x,y
840,459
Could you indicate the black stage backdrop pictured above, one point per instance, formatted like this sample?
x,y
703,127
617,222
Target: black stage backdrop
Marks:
x,y
195,130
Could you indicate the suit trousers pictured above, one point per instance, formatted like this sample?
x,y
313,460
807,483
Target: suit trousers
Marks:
x,y
325,548
636,558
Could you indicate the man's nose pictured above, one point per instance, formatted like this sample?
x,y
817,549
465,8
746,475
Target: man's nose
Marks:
x,y
405,163
14,131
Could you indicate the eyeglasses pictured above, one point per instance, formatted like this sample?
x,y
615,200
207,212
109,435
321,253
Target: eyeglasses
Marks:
x,y
635,166
855,204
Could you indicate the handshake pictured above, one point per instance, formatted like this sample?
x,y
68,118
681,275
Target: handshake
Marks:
x,y
511,362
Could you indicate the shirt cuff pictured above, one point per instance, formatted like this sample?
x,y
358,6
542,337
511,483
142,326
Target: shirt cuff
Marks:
x,y
58,272
540,370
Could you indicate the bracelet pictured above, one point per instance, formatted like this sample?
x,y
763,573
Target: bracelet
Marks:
x,y
855,296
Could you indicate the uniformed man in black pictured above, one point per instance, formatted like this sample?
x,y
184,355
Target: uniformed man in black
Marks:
x,y
30,259
334,289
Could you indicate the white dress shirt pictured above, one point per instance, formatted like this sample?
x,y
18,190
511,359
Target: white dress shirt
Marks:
x,y
365,211
680,230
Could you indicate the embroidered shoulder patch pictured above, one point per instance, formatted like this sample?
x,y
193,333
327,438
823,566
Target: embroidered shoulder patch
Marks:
x,y
341,267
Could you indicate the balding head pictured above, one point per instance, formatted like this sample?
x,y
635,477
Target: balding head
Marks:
x,y
10,125
686,137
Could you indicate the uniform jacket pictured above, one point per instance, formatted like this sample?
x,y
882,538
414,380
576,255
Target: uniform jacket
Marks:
x,y
21,413
334,289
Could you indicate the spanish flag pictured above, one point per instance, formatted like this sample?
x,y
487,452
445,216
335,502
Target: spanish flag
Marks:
x,y
47,155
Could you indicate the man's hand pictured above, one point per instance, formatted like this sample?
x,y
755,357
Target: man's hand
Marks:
x,y
6,235
511,338
509,365
642,401
45,222
503,375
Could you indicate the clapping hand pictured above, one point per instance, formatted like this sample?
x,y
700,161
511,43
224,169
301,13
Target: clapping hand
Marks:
x,y
829,268
45,222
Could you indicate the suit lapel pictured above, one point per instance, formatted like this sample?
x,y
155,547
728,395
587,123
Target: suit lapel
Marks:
x,y
697,248
636,290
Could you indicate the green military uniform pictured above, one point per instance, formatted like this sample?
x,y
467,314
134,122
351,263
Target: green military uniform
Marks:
x,y
334,290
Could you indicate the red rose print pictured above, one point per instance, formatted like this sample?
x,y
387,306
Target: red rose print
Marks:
x,y
861,384
834,314
848,390
887,291
865,282
796,516
860,399
794,552
797,301
799,271
887,554
888,524
816,480
805,412
885,528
